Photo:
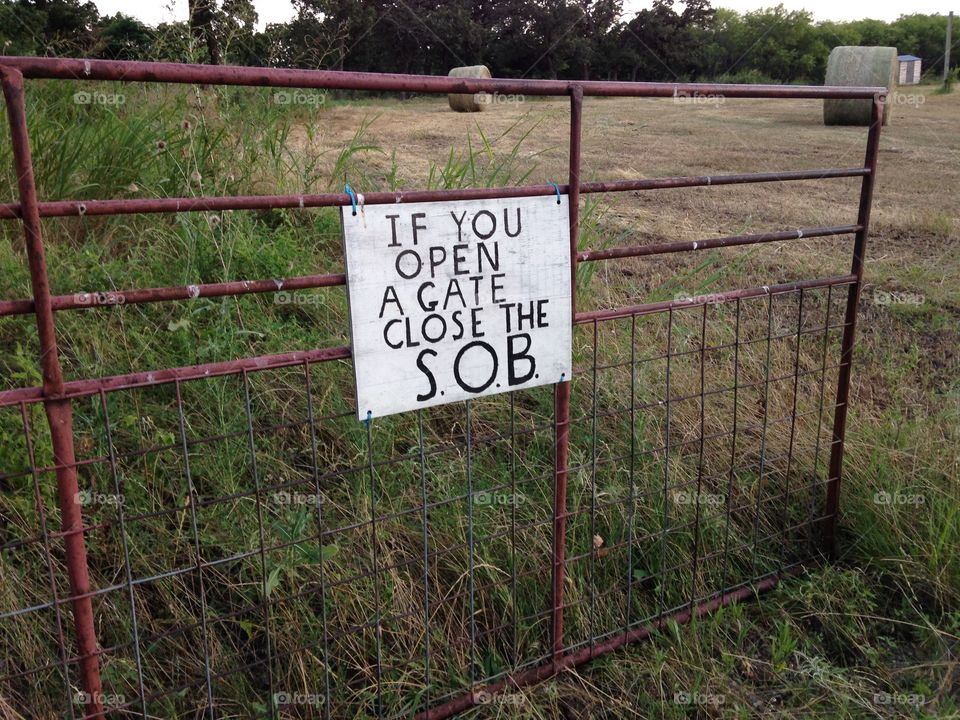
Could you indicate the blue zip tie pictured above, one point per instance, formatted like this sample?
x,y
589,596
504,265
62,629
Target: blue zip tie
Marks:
x,y
369,418
353,197
555,187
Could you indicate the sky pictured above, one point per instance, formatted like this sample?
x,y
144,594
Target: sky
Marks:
x,y
271,11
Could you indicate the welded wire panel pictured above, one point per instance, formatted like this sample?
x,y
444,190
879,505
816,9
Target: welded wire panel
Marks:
x,y
710,473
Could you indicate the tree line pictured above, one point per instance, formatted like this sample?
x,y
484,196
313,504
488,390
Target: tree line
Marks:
x,y
572,39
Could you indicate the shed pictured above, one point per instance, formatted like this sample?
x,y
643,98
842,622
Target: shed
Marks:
x,y
909,67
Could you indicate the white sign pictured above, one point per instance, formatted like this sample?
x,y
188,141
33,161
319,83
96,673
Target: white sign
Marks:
x,y
456,300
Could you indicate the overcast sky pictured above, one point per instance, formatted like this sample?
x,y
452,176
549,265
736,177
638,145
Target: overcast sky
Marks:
x,y
270,11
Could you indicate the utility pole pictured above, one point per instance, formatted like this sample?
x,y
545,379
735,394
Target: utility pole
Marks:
x,y
946,52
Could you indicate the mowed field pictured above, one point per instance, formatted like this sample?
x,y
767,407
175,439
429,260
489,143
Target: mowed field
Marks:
x,y
874,634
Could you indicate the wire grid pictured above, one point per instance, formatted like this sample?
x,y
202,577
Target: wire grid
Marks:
x,y
381,569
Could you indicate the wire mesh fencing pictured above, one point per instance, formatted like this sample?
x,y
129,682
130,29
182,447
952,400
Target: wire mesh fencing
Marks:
x,y
226,539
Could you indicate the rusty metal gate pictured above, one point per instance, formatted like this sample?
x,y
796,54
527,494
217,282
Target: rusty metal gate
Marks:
x,y
621,528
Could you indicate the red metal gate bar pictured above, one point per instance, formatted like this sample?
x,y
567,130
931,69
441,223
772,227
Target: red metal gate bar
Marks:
x,y
130,206
849,331
537,674
88,300
562,391
58,410
163,72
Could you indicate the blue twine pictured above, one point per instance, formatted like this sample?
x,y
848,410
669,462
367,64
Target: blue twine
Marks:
x,y
353,197
369,418
555,187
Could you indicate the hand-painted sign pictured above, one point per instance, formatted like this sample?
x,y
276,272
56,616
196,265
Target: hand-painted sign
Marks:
x,y
456,300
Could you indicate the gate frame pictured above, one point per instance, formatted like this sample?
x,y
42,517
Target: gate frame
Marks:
x,y
56,394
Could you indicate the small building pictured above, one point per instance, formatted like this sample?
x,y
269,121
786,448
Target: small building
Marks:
x,y
909,66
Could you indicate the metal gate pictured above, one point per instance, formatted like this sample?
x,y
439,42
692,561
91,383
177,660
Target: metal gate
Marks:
x,y
510,539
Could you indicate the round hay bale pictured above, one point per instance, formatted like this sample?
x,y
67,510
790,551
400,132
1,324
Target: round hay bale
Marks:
x,y
469,102
864,66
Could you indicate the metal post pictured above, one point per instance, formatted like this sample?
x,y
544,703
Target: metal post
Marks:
x,y
946,50
562,390
849,331
59,411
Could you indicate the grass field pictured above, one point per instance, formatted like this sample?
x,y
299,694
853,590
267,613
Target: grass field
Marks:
x,y
875,634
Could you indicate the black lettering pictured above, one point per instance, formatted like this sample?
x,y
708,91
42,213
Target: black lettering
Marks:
x,y
493,224
390,296
459,223
426,306
426,324
455,318
542,314
513,356
459,258
506,225
494,261
494,286
422,366
456,367
393,230
386,329
475,323
453,290
434,262
413,219
416,258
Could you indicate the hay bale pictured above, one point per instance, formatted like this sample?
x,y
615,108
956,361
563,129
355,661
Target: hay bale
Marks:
x,y
864,66
469,102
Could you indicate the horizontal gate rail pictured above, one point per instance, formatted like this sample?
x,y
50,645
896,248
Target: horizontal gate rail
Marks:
x,y
562,649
